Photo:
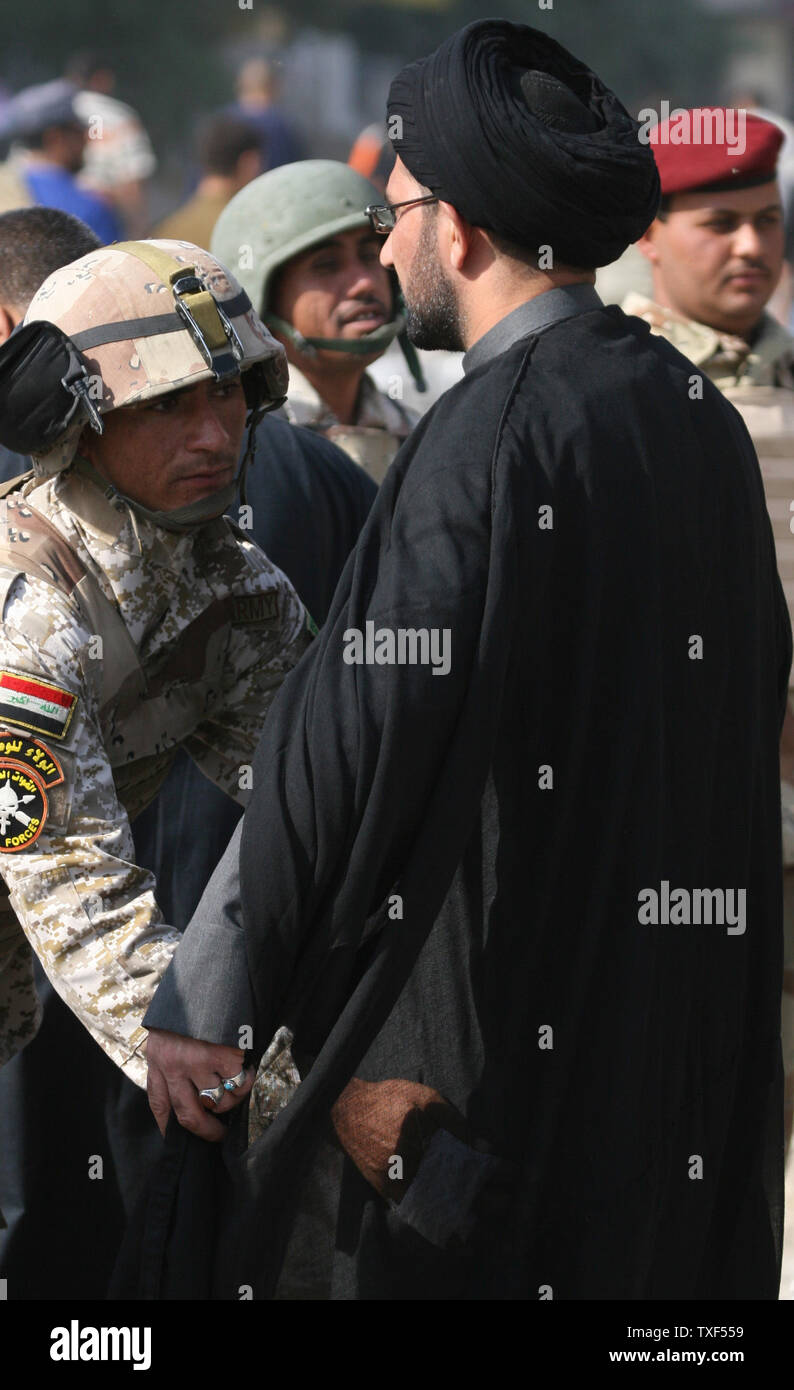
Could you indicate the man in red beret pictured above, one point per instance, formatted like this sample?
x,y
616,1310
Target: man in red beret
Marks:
x,y
716,248
716,254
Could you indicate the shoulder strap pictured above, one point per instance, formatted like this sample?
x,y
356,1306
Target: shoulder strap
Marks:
x,y
31,545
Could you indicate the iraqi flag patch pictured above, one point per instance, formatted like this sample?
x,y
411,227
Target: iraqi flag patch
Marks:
x,y
36,705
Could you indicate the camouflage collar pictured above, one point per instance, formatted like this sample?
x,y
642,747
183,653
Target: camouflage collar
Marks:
x,y
727,358
105,521
376,410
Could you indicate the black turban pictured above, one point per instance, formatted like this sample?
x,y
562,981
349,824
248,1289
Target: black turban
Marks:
x,y
524,140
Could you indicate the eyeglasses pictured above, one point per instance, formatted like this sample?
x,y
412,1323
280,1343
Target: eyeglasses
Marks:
x,y
381,215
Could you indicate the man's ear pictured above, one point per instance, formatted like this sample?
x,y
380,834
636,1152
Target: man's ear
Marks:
x,y
248,166
457,235
85,444
8,322
647,243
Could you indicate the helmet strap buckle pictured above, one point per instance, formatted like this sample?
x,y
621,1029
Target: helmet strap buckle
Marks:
x,y
80,389
222,359
302,344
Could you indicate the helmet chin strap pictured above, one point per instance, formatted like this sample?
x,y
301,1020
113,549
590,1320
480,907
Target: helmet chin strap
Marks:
x,y
195,514
188,518
376,341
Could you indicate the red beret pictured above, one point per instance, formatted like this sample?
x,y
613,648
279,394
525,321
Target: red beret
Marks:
x,y
715,148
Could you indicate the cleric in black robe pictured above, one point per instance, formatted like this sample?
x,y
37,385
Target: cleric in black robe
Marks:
x,y
521,1079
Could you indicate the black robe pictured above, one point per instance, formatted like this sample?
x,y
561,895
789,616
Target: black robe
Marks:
x,y
446,877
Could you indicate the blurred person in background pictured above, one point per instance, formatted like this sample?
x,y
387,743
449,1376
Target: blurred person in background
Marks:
x,y
301,244
715,252
118,159
372,155
257,101
14,192
230,155
49,139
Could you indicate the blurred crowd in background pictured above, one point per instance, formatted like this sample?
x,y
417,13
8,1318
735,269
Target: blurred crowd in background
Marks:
x,y
153,125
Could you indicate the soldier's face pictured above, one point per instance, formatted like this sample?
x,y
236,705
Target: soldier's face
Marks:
x,y
335,290
173,450
717,257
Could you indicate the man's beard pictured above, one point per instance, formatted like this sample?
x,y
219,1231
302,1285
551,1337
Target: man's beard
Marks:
x,y
433,318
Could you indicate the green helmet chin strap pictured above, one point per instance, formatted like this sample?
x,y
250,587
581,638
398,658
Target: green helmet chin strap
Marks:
x,y
376,341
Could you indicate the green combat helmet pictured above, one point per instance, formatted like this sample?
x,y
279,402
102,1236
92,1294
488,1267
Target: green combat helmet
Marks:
x,y
285,212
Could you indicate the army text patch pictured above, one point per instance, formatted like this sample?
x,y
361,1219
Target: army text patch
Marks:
x,y
35,704
254,608
27,769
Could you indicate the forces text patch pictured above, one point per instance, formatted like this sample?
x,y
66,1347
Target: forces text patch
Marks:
x,y
27,769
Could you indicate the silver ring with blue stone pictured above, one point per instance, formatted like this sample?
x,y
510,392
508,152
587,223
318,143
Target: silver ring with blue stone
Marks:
x,y
234,1081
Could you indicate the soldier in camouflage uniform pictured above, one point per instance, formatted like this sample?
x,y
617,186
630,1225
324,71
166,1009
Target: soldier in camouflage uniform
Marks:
x,y
716,253
301,244
136,619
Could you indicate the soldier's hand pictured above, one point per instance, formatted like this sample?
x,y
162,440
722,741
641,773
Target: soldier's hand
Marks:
x,y
181,1067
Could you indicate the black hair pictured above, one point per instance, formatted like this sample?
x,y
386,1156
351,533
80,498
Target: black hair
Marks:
x,y
222,140
528,256
33,243
81,66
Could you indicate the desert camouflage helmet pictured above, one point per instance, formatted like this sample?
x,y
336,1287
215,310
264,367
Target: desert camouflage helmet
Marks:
x,y
150,317
283,213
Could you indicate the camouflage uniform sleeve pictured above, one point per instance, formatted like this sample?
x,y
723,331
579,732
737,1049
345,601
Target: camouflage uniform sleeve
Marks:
x,y
259,657
87,910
